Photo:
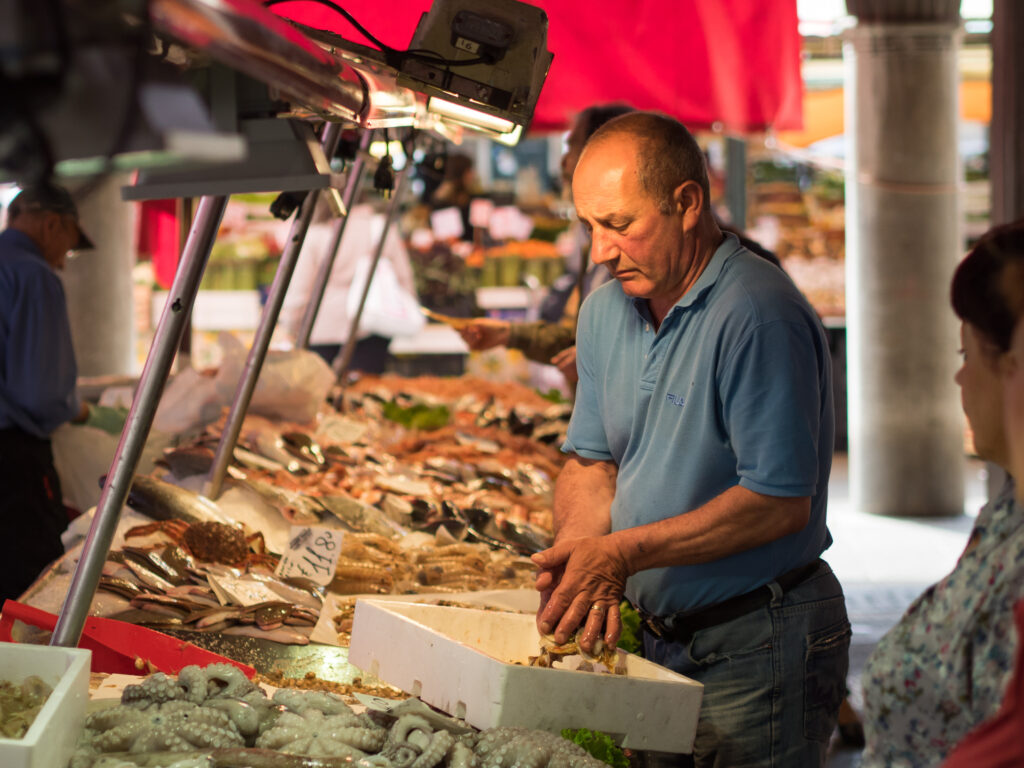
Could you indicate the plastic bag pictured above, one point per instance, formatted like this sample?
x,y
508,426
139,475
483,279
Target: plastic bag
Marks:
x,y
190,400
292,385
390,309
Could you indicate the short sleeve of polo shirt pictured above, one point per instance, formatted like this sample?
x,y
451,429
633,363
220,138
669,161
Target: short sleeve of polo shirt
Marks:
x,y
586,436
771,404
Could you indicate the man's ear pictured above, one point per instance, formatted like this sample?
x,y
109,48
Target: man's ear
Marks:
x,y
688,198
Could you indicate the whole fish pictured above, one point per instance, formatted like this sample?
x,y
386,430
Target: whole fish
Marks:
x,y
161,500
362,517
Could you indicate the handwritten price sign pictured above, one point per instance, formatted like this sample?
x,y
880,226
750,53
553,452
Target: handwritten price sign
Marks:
x,y
312,553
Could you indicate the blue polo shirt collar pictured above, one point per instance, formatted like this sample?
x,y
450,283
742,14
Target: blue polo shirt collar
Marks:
x,y
730,243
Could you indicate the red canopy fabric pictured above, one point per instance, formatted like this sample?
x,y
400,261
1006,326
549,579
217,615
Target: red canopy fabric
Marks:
x,y
730,62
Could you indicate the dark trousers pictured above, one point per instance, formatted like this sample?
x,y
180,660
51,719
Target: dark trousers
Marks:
x,y
369,356
32,514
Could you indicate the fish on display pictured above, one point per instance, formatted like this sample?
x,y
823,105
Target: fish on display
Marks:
x,y
188,461
161,500
363,517
303,447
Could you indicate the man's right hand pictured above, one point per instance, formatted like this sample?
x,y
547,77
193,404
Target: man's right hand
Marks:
x,y
485,333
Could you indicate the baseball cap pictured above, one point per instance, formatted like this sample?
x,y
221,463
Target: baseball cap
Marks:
x,y
50,197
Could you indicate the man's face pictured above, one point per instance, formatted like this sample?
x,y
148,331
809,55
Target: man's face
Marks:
x,y
981,393
643,248
59,235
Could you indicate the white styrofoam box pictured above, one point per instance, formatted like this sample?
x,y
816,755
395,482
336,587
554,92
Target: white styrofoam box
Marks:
x,y
51,739
471,664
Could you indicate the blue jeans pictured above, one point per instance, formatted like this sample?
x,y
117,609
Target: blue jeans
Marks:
x,y
773,679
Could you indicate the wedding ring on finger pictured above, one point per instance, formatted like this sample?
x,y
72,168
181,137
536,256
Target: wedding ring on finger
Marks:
x,y
597,608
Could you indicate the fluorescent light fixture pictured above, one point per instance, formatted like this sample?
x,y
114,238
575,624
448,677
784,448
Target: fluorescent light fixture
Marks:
x,y
468,116
497,128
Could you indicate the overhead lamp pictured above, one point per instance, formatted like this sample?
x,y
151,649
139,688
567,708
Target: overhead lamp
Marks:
x,y
283,154
497,128
479,66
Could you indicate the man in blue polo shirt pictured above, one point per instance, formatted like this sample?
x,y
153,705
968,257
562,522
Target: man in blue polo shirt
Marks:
x,y
700,449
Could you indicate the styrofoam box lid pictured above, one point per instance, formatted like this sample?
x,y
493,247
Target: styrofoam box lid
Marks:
x,y
471,664
51,740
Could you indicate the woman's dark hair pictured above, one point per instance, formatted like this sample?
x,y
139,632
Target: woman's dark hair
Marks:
x,y
592,118
986,290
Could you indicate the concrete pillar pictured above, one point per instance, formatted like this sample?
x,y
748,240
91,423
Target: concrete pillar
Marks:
x,y
98,283
903,241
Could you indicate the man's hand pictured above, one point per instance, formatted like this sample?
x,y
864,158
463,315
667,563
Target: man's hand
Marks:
x,y
587,593
110,420
565,361
485,333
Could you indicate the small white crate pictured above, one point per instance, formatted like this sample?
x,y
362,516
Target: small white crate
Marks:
x,y
55,731
470,664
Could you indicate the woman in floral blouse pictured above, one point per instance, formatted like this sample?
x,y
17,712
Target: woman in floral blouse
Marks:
x,y
943,668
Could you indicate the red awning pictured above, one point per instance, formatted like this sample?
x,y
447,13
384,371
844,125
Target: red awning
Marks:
x,y
733,62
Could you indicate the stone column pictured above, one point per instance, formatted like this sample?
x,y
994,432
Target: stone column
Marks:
x,y
903,236
98,283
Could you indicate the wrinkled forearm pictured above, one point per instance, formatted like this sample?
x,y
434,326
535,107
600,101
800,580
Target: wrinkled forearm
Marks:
x,y
540,341
732,522
583,498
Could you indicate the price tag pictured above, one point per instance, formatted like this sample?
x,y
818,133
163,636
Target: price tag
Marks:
x,y
312,553
480,210
447,224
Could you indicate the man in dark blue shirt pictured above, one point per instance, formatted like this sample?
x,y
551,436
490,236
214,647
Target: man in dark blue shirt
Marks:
x,y
37,379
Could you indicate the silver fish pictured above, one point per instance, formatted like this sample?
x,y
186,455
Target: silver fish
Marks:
x,y
161,500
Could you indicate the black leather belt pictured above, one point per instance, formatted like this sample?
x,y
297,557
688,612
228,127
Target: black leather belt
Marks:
x,y
685,624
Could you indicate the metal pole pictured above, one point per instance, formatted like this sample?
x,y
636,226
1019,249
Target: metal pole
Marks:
x,y
341,363
140,418
265,329
351,194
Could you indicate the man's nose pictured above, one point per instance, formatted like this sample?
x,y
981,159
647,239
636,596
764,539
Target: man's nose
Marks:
x,y
601,248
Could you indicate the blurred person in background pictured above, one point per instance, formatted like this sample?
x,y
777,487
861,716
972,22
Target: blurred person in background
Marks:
x,y
943,669
38,375
332,326
457,189
552,340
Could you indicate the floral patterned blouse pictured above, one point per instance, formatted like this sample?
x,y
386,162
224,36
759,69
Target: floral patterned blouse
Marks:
x,y
943,668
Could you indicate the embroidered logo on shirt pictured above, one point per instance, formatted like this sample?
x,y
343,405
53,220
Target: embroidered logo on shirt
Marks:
x,y
678,400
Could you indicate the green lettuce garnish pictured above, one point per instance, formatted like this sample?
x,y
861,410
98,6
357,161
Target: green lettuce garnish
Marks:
x,y
599,745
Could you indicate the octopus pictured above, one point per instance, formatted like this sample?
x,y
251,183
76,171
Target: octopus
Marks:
x,y
194,684
173,726
412,743
525,748
316,734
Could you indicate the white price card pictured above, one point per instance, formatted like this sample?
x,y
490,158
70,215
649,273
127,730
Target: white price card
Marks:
x,y
480,210
447,224
312,553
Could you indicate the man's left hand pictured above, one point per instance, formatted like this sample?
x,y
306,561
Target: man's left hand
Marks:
x,y
587,594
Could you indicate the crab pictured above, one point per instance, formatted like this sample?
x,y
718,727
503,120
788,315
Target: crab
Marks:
x,y
211,541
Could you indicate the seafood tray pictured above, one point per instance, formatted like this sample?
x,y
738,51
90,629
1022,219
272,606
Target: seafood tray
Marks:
x,y
471,664
51,739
